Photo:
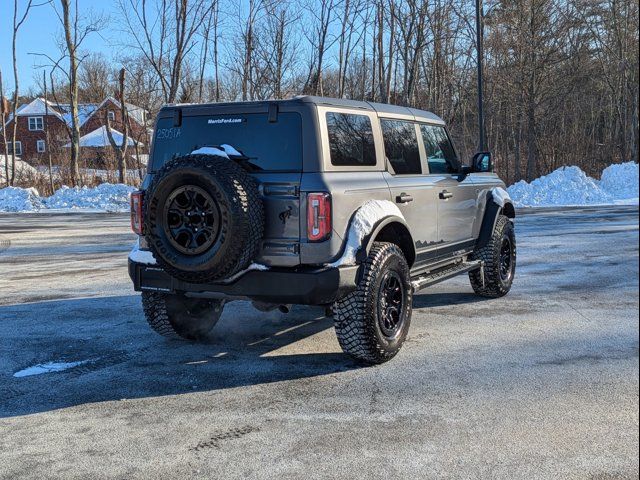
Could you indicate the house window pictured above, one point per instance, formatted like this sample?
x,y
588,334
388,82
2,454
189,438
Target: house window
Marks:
x,y
36,123
111,116
40,146
18,148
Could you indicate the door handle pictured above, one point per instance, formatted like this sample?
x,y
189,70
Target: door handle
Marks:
x,y
404,198
445,194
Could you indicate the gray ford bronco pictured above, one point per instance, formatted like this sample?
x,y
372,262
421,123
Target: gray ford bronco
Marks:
x,y
349,205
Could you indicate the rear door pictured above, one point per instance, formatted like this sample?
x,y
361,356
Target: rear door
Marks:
x,y
274,152
412,191
455,194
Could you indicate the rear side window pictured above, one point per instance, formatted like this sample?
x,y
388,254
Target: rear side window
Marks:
x,y
440,153
401,146
350,139
270,146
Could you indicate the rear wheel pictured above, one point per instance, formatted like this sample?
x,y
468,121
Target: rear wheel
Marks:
x,y
372,322
180,316
499,257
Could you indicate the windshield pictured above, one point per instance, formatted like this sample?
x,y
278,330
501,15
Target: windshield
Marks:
x,y
270,146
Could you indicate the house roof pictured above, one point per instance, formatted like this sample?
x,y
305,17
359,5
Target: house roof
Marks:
x,y
62,111
99,139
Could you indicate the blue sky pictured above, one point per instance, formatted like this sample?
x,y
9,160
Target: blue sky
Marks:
x,y
39,34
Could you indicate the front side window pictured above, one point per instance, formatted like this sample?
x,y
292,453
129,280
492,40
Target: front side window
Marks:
x,y
17,149
401,146
40,146
441,156
350,139
111,115
36,123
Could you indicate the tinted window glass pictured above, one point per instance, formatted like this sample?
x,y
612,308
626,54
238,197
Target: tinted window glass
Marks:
x,y
275,146
401,146
440,153
350,139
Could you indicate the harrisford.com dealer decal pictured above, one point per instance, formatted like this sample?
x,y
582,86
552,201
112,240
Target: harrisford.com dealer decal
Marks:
x,y
215,121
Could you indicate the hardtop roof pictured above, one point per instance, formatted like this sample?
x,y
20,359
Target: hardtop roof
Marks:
x,y
382,109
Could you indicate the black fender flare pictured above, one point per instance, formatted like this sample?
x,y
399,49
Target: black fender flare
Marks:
x,y
491,214
392,228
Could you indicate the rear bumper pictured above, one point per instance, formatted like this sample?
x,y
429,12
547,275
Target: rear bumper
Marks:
x,y
311,286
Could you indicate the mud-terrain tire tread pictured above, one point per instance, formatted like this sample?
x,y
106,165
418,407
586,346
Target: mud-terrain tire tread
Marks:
x,y
490,255
354,325
247,243
156,312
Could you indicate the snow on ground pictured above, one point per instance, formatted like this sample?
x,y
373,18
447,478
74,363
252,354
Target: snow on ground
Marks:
x,y
564,187
568,186
24,171
49,367
105,197
15,199
621,180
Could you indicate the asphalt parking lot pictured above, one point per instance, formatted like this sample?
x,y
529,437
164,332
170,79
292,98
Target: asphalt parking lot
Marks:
x,y
540,384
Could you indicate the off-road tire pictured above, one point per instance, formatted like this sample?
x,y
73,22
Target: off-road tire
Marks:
x,y
356,315
176,316
494,284
238,209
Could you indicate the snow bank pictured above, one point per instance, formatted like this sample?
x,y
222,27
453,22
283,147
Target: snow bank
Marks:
x,y
621,180
107,196
14,199
571,186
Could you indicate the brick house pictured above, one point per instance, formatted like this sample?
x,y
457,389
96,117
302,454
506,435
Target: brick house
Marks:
x,y
35,117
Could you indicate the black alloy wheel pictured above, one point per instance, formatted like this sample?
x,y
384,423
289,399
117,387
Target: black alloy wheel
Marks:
x,y
192,220
506,259
391,304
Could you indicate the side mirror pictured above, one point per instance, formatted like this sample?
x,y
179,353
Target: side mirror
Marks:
x,y
482,162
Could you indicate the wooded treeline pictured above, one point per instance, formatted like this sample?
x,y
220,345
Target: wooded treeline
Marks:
x,y
561,76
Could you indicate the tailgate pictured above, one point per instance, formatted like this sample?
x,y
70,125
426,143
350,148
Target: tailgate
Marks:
x,y
280,194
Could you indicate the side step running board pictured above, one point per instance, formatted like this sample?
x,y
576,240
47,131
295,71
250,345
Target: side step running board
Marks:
x,y
431,278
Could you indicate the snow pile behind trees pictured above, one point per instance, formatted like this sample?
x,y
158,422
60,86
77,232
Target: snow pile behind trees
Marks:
x,y
24,171
571,186
105,197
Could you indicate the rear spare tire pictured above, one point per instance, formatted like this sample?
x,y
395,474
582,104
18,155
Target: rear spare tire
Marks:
x,y
204,218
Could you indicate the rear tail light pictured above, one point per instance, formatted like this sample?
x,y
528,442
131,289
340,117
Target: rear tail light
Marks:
x,y
318,216
136,212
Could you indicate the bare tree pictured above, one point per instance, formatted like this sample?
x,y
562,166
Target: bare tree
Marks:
x,y
163,31
4,109
120,151
18,21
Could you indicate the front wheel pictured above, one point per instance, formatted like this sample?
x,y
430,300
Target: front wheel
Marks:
x,y
180,316
499,257
372,322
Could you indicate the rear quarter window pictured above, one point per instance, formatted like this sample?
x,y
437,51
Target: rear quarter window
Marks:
x,y
401,146
350,139
270,146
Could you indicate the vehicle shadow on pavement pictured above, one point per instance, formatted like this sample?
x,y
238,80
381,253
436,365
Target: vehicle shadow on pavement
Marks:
x,y
120,357
425,300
